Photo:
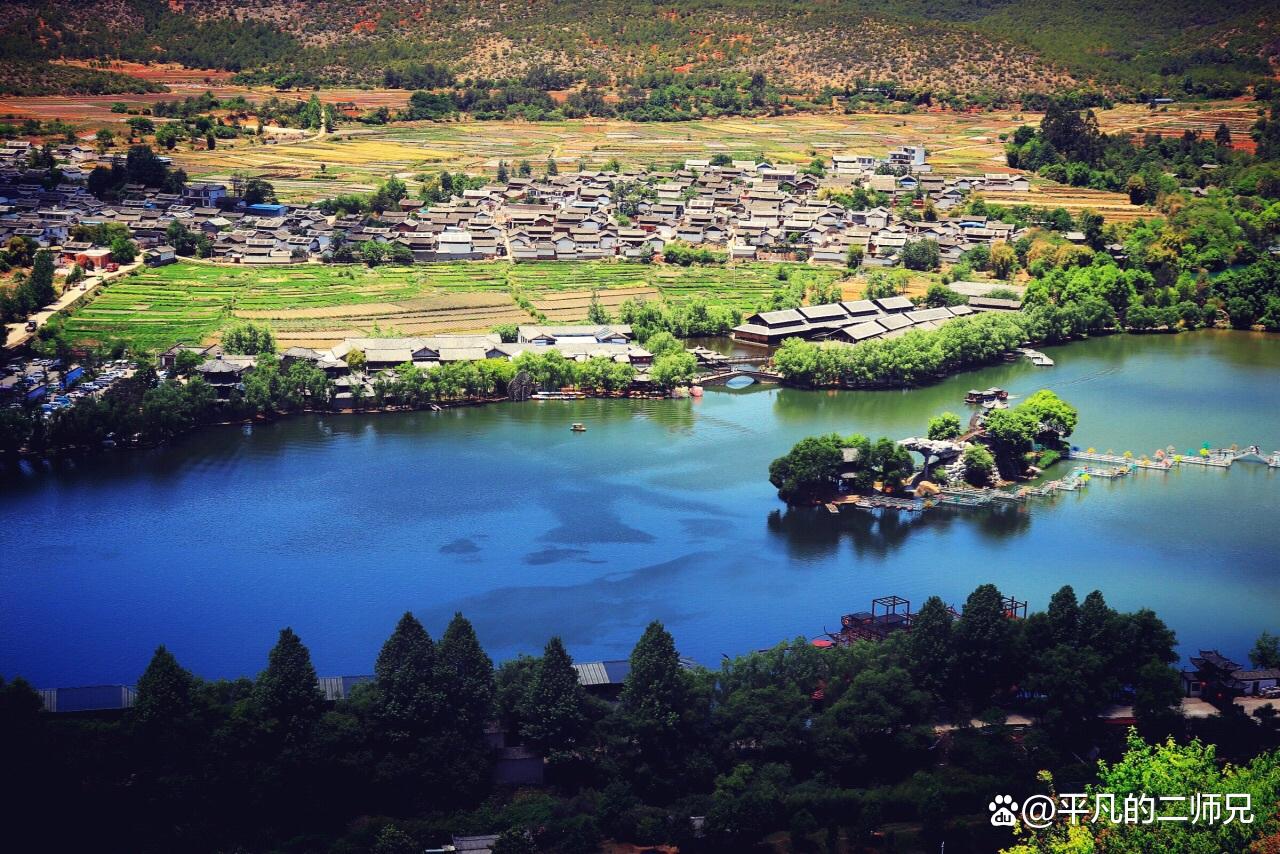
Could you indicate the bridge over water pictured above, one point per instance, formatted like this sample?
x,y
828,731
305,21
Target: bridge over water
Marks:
x,y
720,368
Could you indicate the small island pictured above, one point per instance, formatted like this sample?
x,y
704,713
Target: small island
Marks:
x,y
1000,447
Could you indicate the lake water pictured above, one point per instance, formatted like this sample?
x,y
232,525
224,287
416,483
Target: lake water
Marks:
x,y
662,509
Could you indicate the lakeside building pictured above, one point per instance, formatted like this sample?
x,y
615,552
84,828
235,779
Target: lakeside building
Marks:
x,y
1217,678
576,343
855,321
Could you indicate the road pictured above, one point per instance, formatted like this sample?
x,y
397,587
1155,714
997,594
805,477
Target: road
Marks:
x,y
18,334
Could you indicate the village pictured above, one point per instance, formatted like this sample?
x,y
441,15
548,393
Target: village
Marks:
x,y
748,210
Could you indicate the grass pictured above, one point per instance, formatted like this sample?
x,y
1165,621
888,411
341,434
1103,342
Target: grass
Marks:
x,y
314,305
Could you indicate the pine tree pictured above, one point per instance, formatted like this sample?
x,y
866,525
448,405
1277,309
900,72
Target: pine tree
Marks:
x,y
164,698
503,175
983,639
408,696
1064,616
557,718
552,167
931,648
468,671
39,284
286,695
654,699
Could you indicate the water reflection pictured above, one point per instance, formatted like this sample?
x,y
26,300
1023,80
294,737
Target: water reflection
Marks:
x,y
810,533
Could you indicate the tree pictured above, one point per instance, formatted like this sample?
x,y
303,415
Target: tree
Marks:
x,y
286,695
1222,136
983,645
140,126
662,343
1156,697
39,285
921,255
1051,412
468,672
105,139
552,167
408,698
249,339
1064,616
654,698
556,716
169,135
931,649
515,840
811,469
673,369
1012,432
164,701
889,463
1166,771
1266,651
503,175
944,426
596,313
123,250
181,238
393,840
355,359
978,465
1003,260
258,191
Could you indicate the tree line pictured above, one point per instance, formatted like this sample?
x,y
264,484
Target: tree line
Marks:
x,y
821,744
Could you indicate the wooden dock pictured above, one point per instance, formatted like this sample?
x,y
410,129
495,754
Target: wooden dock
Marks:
x,y
1167,459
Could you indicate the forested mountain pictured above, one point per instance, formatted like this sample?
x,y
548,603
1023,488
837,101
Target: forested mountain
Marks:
x,y
940,46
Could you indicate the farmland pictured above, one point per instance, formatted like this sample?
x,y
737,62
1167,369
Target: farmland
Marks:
x,y
313,305
356,159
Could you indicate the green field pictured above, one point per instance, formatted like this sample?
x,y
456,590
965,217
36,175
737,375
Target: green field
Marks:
x,y
313,305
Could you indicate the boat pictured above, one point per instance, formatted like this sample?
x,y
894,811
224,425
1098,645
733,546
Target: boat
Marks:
x,y
986,395
994,404
562,394
578,427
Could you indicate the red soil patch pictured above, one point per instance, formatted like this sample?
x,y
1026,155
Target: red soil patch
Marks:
x,y
166,73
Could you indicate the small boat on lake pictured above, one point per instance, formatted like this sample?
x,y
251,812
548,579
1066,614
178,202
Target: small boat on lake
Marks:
x,y
994,393
578,427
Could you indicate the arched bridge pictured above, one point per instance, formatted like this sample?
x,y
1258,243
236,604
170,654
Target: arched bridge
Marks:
x,y
722,375
719,368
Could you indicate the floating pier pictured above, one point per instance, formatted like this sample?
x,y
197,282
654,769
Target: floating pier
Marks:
x,y
1035,356
1167,458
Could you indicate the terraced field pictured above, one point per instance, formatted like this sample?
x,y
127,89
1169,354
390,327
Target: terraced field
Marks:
x,y
1115,207
312,305
356,159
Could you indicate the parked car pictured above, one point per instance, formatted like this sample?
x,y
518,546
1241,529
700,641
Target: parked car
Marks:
x,y
1272,693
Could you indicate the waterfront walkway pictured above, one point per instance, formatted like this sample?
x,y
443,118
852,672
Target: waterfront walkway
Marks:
x,y
1092,464
1169,458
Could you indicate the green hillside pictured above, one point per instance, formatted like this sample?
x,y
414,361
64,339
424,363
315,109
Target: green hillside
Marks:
x,y
1008,47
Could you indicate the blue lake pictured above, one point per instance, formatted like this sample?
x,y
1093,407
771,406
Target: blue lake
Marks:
x,y
662,509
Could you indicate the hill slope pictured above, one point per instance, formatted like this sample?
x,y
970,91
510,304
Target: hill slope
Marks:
x,y
1002,46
